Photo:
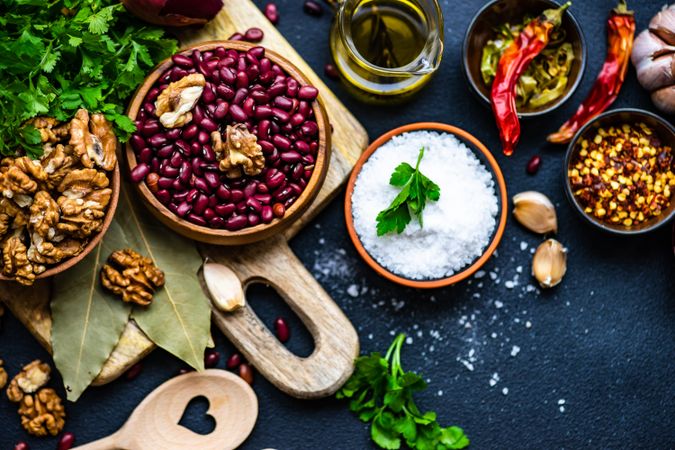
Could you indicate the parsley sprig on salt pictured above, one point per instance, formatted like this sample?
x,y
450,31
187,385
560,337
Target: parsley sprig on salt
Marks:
x,y
61,55
381,392
416,189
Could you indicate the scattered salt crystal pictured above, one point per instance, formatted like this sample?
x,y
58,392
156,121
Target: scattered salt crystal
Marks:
x,y
509,284
440,393
493,275
505,391
457,227
515,350
467,364
519,269
498,304
528,324
472,352
493,335
322,241
353,290
561,401
523,246
562,409
494,380
479,274
409,340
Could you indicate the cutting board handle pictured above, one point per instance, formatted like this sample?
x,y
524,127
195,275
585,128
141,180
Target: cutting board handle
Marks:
x,y
336,342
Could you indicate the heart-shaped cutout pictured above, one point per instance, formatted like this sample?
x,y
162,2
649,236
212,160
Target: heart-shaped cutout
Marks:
x,y
196,417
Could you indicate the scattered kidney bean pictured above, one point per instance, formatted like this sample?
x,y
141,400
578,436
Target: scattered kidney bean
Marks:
x,y
233,361
67,441
21,446
246,373
533,165
282,329
312,8
272,13
134,371
211,358
254,35
331,71
236,37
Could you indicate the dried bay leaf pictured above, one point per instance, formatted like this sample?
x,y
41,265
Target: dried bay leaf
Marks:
x,y
179,319
87,321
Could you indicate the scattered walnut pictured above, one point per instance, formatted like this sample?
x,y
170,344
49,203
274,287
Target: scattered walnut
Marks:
x,y
42,413
93,140
32,377
240,152
3,372
173,105
15,259
138,279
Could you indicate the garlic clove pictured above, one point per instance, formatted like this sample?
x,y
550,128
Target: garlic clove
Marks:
x,y
224,286
664,99
549,263
535,212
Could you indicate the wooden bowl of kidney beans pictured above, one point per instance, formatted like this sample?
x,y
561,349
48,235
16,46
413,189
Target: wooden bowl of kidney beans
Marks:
x,y
177,172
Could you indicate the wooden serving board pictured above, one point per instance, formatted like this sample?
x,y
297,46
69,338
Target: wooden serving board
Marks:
x,y
270,261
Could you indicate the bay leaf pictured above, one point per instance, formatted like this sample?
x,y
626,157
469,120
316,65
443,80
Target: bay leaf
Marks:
x,y
179,318
87,321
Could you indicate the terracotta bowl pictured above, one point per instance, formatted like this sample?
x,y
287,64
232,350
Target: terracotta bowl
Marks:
x,y
68,263
483,154
497,12
249,234
666,133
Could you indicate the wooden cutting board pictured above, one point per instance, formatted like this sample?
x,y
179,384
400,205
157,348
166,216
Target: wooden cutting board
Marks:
x,y
270,261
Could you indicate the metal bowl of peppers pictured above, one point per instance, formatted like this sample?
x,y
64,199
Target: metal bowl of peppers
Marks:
x,y
485,27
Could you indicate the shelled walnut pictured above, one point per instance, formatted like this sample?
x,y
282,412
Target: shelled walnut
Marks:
x,y
174,103
42,414
50,208
32,377
132,276
240,153
3,372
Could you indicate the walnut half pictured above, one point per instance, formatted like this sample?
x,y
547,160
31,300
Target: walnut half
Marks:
x,y
42,413
132,276
173,105
239,153
32,377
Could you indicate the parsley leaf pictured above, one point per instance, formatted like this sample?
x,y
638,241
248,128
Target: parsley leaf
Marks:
x,y
59,56
381,392
415,190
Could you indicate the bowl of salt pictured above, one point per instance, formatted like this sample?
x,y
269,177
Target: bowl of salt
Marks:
x,y
426,205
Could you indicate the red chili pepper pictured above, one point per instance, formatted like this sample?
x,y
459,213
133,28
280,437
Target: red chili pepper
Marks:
x,y
514,61
620,35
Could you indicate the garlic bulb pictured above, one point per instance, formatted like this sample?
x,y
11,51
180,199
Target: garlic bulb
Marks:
x,y
654,59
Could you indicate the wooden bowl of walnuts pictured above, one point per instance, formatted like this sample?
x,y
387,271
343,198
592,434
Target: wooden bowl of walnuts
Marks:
x,y
233,143
54,210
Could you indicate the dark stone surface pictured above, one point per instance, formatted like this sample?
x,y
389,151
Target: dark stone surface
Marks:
x,y
603,341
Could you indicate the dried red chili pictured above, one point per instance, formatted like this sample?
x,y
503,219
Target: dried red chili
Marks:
x,y
620,35
514,61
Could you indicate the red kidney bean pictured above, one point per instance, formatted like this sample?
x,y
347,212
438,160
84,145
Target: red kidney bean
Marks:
x,y
290,201
224,211
163,196
282,329
182,147
165,182
145,155
308,93
241,63
183,208
252,72
249,107
260,97
165,152
182,61
533,165
212,180
134,371
276,180
297,172
266,214
292,87
301,146
242,80
228,76
152,94
253,220
277,89
173,208
177,73
196,56
265,65
283,103
296,119
309,128
263,127
313,146
168,171
281,115
281,142
179,196
296,189
217,222
331,71
262,188
66,442
197,220
223,193
241,207
210,109
157,140
208,96
211,64
209,214
266,78
203,137
304,108
312,8
137,142
237,113
211,358
202,185
208,153
254,205
149,108
190,131
173,134
240,96
197,114
185,172
265,199
213,200
226,61
192,195
235,223
221,111
278,209
139,172
236,37
263,112
271,13
237,195
21,445
254,35
246,373
250,189
291,156
307,176
196,149
282,193
209,125
176,160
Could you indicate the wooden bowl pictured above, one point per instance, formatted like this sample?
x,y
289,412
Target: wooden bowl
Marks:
x,y
488,161
110,213
662,128
497,12
249,234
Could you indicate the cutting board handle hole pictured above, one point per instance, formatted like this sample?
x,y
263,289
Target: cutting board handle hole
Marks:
x,y
269,305
196,418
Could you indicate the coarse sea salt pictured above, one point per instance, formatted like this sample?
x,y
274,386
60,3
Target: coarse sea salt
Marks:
x,y
457,227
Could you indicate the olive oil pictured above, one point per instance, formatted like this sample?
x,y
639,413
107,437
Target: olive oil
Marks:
x,y
386,50
389,33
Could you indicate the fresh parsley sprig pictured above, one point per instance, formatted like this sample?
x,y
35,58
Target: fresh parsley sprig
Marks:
x,y
416,189
381,392
57,56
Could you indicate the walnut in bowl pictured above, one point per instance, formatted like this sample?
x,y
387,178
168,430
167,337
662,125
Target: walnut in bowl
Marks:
x,y
55,209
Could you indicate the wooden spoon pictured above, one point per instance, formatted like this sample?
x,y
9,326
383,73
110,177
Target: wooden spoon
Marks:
x,y
154,424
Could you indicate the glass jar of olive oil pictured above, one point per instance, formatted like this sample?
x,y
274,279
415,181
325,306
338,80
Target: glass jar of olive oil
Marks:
x,y
386,50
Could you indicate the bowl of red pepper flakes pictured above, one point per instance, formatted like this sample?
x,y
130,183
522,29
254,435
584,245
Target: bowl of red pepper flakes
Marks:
x,y
497,14
619,172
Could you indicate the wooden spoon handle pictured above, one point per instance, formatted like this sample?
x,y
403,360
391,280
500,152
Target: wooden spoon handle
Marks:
x,y
106,443
336,341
